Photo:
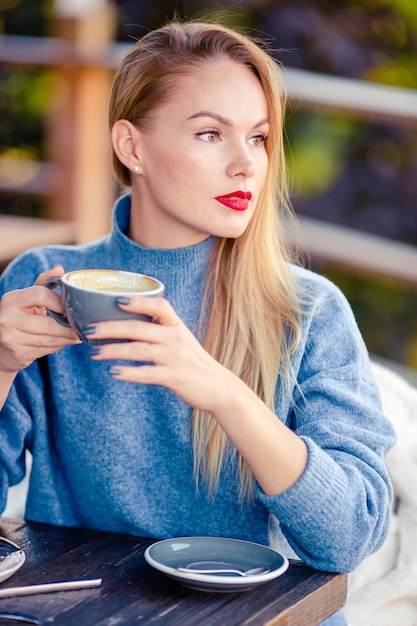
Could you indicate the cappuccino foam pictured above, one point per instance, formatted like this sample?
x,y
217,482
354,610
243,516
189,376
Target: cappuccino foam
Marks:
x,y
111,281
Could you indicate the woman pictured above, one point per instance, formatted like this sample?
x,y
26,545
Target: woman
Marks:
x,y
248,409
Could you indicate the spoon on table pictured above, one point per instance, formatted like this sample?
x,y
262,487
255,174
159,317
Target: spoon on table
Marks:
x,y
224,570
20,617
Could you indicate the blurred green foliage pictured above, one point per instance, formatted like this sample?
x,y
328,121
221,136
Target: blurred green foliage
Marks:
x,y
314,165
23,103
385,312
25,17
24,96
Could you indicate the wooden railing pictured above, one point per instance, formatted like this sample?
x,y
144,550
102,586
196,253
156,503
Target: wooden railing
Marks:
x,y
81,190
78,181
366,100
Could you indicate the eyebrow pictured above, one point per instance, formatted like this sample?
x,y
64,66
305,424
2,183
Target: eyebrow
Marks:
x,y
222,120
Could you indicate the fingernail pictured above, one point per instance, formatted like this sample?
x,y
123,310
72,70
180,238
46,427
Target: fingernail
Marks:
x,y
123,300
114,371
89,330
94,351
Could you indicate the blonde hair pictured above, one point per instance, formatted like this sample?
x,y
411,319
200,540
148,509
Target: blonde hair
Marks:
x,y
250,312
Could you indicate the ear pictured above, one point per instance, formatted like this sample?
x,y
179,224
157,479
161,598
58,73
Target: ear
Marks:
x,y
125,139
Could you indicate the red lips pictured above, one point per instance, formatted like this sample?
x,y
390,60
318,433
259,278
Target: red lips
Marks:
x,y
237,200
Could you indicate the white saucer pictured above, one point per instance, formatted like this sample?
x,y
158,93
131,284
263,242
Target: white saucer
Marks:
x,y
166,556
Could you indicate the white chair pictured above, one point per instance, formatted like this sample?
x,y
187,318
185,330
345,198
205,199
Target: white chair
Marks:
x,y
16,497
383,590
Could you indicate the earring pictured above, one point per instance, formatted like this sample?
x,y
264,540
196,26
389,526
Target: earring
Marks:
x,y
136,168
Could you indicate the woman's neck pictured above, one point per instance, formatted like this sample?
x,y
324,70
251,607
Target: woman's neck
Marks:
x,y
151,231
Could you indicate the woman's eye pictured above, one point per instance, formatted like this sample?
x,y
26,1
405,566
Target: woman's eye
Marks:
x,y
209,135
257,140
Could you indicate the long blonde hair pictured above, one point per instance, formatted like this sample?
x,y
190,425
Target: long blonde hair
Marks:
x,y
250,309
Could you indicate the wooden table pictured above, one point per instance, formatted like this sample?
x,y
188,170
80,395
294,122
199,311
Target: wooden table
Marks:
x,y
134,593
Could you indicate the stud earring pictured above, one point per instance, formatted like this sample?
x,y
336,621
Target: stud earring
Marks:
x,y
136,168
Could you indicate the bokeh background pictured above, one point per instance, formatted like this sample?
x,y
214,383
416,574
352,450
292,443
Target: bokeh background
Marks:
x,y
344,170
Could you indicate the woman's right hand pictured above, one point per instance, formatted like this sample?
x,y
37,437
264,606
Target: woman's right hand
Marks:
x,y
26,331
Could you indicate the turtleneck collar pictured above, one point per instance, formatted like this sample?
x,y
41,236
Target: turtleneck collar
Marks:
x,y
186,263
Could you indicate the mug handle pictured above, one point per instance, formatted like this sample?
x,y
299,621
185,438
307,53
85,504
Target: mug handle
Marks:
x,y
51,284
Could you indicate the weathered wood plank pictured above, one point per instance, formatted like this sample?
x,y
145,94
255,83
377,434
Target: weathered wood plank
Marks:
x,y
363,252
18,234
365,99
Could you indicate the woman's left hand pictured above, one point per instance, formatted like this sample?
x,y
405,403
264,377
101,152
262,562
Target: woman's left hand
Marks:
x,y
167,353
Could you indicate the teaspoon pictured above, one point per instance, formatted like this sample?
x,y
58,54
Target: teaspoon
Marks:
x,y
225,570
20,617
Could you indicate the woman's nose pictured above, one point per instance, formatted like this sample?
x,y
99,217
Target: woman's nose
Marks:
x,y
241,162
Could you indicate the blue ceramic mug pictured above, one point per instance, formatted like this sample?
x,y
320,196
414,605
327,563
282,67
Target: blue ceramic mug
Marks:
x,y
90,296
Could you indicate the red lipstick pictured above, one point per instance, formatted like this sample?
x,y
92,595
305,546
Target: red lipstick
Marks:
x,y
237,200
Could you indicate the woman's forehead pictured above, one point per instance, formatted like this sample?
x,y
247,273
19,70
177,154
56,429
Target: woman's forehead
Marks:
x,y
216,80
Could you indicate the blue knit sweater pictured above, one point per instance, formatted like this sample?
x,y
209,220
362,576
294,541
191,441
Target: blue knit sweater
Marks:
x,y
116,456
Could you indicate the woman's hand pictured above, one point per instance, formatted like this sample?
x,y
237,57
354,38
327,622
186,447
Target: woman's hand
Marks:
x,y
166,351
26,331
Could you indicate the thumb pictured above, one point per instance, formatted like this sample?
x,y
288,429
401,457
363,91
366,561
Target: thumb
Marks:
x,y
55,272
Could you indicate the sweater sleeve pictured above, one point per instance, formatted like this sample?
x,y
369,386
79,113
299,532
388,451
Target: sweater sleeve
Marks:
x,y
16,426
338,512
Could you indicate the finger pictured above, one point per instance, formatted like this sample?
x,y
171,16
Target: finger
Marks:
x,y
55,272
44,325
133,330
16,356
44,343
43,331
139,351
31,297
25,322
22,349
158,308
144,374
